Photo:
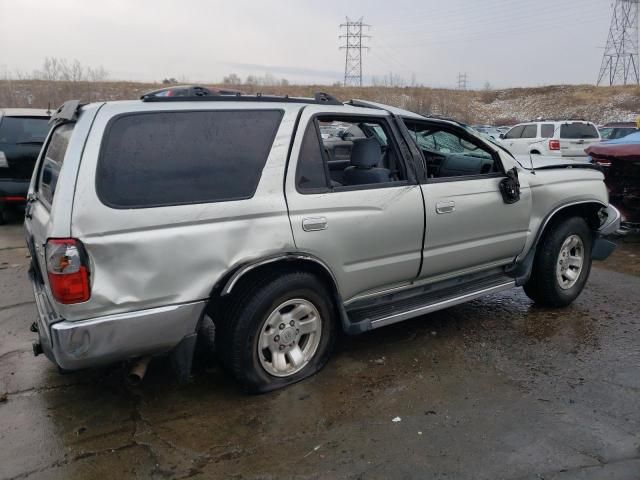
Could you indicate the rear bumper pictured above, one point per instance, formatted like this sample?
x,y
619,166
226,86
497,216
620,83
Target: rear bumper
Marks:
x,y
112,338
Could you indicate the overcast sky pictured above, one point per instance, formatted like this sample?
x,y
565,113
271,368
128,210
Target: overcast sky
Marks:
x,y
504,42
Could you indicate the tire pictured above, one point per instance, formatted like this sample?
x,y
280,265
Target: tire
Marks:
x,y
258,312
535,152
555,284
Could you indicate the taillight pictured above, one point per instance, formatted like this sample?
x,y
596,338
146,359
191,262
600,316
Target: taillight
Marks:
x,y
554,144
67,270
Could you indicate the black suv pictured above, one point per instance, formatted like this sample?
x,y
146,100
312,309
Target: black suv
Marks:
x,y
22,133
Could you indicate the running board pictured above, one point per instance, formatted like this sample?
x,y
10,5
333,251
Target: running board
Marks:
x,y
381,316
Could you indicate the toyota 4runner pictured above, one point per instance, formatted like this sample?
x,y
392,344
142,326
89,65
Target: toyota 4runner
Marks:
x,y
155,222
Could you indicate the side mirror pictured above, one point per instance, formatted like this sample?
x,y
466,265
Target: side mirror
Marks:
x,y
502,136
510,187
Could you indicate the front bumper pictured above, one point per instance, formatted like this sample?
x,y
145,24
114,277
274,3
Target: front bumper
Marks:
x,y
612,223
602,247
112,338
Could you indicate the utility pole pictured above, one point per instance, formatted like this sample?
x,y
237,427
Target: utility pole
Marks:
x,y
462,81
620,59
353,45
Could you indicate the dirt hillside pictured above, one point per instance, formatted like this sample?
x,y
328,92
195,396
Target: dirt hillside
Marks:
x,y
598,104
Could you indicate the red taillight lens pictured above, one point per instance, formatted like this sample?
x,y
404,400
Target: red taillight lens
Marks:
x,y
554,144
14,198
66,269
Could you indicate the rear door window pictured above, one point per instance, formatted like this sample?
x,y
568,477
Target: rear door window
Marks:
x,y
578,130
173,158
52,162
530,131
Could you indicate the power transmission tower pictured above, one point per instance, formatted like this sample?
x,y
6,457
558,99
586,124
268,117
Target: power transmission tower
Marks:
x,y
353,45
620,60
462,81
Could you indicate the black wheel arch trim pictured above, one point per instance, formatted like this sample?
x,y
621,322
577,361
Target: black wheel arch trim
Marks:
x,y
230,280
523,267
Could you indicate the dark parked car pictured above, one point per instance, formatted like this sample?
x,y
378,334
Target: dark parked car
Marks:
x,y
22,133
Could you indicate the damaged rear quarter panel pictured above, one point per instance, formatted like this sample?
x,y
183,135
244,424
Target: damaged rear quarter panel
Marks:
x,y
151,257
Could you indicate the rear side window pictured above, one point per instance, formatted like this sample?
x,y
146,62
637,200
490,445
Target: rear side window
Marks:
x,y
172,158
578,130
530,131
547,130
52,163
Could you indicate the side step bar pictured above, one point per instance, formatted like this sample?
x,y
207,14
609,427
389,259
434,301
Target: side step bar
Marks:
x,y
394,308
440,305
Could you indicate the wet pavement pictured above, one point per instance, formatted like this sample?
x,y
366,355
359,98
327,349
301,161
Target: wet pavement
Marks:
x,y
497,388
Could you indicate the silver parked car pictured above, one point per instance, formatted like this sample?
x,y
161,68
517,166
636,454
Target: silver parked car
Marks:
x,y
151,222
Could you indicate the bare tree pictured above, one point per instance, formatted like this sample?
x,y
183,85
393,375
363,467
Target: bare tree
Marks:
x,y
232,79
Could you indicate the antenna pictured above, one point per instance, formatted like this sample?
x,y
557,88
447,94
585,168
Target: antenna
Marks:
x,y
620,59
353,46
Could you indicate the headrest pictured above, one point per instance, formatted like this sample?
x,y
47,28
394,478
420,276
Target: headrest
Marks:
x,y
365,152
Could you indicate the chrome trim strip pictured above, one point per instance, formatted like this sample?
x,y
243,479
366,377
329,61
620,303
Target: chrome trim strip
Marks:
x,y
287,256
399,317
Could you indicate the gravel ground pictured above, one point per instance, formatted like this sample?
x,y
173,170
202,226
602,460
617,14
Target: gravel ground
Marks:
x,y
494,389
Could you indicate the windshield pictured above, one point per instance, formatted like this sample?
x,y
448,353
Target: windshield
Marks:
x,y
17,130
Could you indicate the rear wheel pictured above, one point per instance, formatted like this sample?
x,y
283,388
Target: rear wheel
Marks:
x,y
562,264
278,332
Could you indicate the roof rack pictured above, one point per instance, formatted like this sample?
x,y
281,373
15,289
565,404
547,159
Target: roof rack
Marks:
x,y
319,98
557,120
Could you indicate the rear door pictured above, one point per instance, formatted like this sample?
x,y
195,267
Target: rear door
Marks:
x,y
575,137
369,234
48,211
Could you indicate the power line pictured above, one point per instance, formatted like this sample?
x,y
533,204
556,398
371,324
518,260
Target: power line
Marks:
x,y
353,46
620,59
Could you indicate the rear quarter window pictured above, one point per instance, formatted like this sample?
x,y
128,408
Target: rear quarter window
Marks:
x,y
578,130
172,158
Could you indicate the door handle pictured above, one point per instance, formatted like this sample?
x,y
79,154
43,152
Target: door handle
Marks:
x,y
445,207
314,224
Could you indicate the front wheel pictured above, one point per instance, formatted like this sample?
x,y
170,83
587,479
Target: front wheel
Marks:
x,y
278,331
562,264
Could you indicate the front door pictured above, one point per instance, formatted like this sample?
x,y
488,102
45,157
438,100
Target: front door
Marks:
x,y
365,221
469,227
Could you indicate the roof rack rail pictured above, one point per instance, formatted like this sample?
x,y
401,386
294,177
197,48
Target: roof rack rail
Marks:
x,y
210,96
557,120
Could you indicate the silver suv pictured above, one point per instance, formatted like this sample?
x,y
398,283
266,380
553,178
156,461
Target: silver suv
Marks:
x,y
151,222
